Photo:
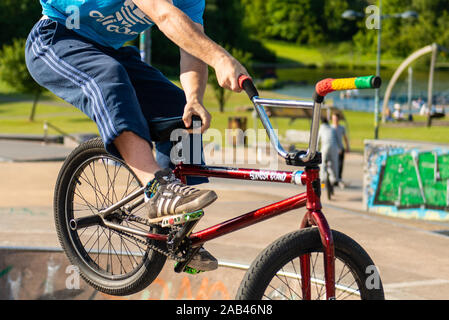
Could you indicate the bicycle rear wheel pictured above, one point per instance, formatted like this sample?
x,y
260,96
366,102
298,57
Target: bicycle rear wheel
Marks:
x,y
112,262
275,274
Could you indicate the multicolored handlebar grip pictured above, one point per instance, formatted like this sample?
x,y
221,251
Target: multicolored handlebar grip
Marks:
x,y
327,86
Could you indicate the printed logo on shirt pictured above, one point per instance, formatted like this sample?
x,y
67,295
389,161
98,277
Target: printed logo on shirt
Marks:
x,y
122,20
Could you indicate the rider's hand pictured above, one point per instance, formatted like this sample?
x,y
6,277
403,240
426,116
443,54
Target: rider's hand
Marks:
x,y
228,71
196,108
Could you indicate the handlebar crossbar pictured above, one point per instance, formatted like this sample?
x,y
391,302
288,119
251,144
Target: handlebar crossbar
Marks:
x,y
324,87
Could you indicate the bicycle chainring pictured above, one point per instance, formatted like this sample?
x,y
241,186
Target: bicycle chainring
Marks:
x,y
179,256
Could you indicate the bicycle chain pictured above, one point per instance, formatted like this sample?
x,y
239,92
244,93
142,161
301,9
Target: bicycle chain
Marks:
x,y
146,222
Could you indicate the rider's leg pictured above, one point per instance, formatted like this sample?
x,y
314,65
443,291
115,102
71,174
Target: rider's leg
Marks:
x,y
163,150
137,154
160,101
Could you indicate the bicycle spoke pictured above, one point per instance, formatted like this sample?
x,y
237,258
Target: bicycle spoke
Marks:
x,y
97,184
277,291
313,275
287,284
297,278
94,188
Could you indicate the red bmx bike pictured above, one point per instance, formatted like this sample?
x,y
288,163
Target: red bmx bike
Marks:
x,y
102,226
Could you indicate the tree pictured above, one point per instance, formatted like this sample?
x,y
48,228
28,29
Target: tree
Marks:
x,y
17,18
400,37
301,21
223,23
14,72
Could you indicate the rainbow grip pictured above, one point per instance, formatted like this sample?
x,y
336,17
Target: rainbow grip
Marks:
x,y
327,86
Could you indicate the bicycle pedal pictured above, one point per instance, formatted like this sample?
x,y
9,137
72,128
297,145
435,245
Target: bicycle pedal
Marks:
x,y
190,270
181,218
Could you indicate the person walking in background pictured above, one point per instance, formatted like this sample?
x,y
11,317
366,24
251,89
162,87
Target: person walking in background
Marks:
x,y
340,131
327,137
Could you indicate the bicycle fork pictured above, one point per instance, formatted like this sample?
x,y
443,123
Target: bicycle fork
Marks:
x,y
315,217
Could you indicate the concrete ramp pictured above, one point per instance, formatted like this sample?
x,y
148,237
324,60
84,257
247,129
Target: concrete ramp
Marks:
x,y
45,273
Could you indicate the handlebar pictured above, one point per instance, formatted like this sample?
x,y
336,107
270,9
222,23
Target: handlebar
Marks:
x,y
324,87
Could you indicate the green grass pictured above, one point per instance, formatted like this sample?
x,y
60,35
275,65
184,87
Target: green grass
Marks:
x,y
341,56
14,119
361,127
287,52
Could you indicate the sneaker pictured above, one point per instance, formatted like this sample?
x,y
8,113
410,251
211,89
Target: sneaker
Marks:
x,y
203,261
165,195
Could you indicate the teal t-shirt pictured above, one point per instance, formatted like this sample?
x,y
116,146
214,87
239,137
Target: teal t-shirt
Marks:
x,y
110,22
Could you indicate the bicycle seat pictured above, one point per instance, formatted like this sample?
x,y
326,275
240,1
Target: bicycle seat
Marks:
x,y
161,129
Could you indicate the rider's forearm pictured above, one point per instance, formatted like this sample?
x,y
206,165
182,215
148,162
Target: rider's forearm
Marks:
x,y
193,77
180,29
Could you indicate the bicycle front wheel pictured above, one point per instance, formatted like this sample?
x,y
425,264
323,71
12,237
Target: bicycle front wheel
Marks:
x,y
276,272
112,262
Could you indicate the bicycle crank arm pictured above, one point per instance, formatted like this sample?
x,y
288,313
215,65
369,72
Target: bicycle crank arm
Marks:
x,y
180,266
180,236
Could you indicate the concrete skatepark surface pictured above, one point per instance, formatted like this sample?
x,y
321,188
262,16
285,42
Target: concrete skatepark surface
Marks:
x,y
412,256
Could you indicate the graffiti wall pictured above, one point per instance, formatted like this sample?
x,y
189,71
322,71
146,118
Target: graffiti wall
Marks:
x,y
47,274
408,180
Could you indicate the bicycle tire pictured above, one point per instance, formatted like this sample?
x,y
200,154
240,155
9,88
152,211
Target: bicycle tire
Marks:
x,y
270,263
144,270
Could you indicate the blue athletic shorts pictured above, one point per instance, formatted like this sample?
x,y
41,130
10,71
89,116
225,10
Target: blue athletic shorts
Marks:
x,y
113,87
